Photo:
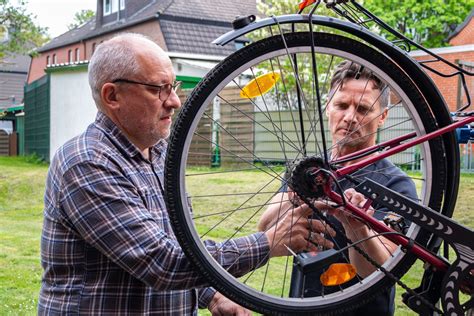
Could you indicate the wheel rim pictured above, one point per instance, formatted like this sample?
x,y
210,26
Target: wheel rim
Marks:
x,y
267,188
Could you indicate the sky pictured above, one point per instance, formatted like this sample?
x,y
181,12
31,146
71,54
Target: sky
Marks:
x,y
57,14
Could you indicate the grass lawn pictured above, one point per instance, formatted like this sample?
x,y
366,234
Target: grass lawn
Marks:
x,y
21,194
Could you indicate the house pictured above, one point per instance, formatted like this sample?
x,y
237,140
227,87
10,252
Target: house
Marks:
x,y
13,74
58,104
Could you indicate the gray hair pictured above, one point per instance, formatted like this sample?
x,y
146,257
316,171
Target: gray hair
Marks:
x,y
113,59
347,70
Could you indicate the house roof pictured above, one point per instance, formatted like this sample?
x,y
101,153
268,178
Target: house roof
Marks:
x,y
188,25
16,63
188,37
462,25
223,10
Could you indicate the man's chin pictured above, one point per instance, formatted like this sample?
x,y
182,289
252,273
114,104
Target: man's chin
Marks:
x,y
350,144
162,134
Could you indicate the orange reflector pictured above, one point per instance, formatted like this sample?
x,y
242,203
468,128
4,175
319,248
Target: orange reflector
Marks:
x,y
306,3
338,273
260,85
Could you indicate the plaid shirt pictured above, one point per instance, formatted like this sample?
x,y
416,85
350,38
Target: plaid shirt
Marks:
x,y
107,246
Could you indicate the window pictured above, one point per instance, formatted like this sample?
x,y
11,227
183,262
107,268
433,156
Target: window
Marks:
x,y
55,60
78,53
114,5
48,62
93,48
69,56
107,7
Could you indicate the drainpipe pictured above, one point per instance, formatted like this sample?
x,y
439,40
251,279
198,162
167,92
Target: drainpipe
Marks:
x,y
118,10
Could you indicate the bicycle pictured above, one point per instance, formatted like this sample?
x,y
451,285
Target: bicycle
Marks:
x,y
260,113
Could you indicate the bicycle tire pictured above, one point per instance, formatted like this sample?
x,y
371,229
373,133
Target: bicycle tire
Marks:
x,y
192,112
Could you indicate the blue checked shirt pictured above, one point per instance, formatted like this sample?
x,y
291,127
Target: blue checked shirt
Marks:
x,y
107,246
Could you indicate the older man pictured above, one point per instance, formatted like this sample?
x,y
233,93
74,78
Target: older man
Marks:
x,y
107,246
357,107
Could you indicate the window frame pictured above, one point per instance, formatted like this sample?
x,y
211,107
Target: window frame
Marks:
x,y
107,8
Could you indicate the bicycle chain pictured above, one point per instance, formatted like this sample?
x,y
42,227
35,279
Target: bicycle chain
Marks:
x,y
323,217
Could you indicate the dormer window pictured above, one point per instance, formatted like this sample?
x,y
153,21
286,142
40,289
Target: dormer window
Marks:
x,y
112,6
107,7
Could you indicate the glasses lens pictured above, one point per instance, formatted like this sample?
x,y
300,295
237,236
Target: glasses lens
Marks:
x,y
166,90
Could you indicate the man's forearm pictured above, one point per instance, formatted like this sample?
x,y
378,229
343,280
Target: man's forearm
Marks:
x,y
378,248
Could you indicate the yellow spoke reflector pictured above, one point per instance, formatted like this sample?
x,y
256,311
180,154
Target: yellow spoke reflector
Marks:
x,y
338,273
260,85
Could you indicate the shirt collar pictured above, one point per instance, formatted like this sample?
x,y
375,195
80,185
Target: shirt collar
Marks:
x,y
112,131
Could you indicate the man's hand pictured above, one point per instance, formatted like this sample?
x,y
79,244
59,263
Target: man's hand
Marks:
x,y
296,232
350,223
222,306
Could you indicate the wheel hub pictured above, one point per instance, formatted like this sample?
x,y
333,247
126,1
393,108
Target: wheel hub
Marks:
x,y
305,177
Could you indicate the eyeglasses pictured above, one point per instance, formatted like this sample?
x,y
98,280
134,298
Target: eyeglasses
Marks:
x,y
164,90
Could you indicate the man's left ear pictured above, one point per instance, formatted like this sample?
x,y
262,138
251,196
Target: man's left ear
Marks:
x,y
383,116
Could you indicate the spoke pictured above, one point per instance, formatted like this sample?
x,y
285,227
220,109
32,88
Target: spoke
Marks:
x,y
235,210
388,174
318,96
268,112
226,171
291,143
231,194
244,160
279,111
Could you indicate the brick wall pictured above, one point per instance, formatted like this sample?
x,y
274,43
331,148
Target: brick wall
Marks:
x,y
449,86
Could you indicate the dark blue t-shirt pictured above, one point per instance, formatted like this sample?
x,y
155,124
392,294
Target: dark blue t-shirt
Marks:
x,y
387,174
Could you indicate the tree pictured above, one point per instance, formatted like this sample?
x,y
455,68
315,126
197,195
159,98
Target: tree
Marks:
x,y
18,32
80,18
426,22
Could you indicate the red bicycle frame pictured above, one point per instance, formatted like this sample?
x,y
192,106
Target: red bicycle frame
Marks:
x,y
395,146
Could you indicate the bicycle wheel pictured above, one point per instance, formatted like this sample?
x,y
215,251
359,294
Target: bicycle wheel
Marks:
x,y
251,137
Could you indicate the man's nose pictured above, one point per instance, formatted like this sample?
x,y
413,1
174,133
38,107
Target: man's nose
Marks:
x,y
173,101
350,114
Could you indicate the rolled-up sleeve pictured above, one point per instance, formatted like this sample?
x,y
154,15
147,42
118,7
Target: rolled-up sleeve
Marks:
x,y
205,296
